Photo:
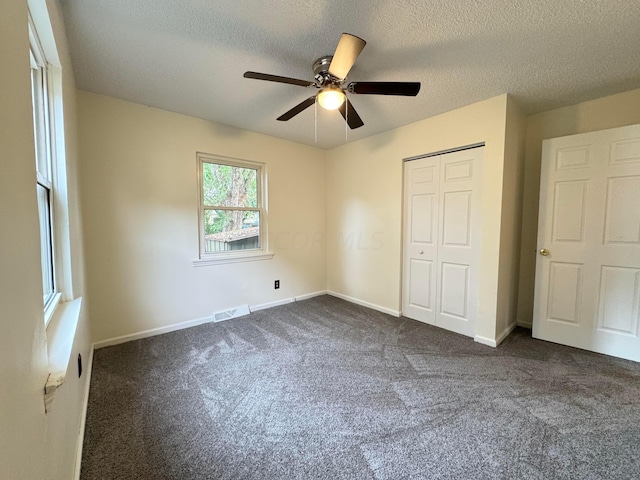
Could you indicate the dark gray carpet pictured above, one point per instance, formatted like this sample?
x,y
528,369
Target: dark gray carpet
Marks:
x,y
324,389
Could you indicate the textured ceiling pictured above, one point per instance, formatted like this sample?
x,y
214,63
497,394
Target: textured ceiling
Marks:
x,y
189,56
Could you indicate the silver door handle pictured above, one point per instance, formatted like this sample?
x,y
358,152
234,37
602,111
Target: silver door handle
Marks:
x,y
421,252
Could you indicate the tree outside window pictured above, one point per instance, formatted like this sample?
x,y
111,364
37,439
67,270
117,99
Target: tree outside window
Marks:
x,y
231,205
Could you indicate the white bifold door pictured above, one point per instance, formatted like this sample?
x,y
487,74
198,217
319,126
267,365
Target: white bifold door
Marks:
x,y
441,231
587,291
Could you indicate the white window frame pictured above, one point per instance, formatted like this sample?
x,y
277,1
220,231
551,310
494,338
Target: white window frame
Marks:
x,y
45,149
232,256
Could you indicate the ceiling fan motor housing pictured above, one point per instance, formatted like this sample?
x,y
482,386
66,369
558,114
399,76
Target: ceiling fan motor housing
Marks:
x,y
321,72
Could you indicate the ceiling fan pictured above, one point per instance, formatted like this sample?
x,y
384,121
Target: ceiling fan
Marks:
x,y
330,72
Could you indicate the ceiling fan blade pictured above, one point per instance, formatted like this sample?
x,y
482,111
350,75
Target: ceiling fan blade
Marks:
x,y
297,109
348,49
407,89
350,115
277,78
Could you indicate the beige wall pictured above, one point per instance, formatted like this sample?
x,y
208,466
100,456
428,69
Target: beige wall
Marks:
x,y
140,199
364,204
512,188
32,445
607,112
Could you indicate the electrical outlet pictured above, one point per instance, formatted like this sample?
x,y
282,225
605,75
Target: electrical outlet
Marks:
x,y
277,284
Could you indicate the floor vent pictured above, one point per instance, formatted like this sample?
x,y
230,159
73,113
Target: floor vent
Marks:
x,y
235,312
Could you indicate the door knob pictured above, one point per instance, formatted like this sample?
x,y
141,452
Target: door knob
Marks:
x,y
544,252
421,252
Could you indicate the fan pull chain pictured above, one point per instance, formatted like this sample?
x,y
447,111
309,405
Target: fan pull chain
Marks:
x,y
315,115
346,123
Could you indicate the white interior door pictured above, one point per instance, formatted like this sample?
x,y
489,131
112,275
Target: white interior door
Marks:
x,y
459,241
587,292
421,207
441,252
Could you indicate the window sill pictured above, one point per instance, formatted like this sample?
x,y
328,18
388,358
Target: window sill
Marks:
x,y
222,259
61,333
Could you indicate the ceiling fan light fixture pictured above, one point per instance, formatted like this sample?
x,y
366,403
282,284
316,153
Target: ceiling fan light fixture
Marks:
x,y
331,98
330,72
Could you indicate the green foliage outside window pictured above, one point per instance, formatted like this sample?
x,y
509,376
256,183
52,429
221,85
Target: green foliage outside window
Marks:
x,y
229,186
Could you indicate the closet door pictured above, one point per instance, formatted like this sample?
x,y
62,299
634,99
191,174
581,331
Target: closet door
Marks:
x,y
459,241
441,253
421,200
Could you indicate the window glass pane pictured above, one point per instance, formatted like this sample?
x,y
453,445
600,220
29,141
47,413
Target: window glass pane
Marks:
x,y
46,255
227,186
39,124
231,230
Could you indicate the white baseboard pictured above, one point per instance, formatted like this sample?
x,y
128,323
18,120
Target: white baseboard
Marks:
x,y
277,303
151,333
528,325
310,295
193,323
357,301
499,339
485,341
284,301
83,418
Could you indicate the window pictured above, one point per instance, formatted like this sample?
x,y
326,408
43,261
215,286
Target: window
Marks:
x,y
61,308
42,126
232,213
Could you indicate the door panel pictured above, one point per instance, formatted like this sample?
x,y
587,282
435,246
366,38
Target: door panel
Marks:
x,y
422,219
565,292
456,222
622,219
569,209
625,151
618,300
454,171
573,157
588,286
420,284
454,294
